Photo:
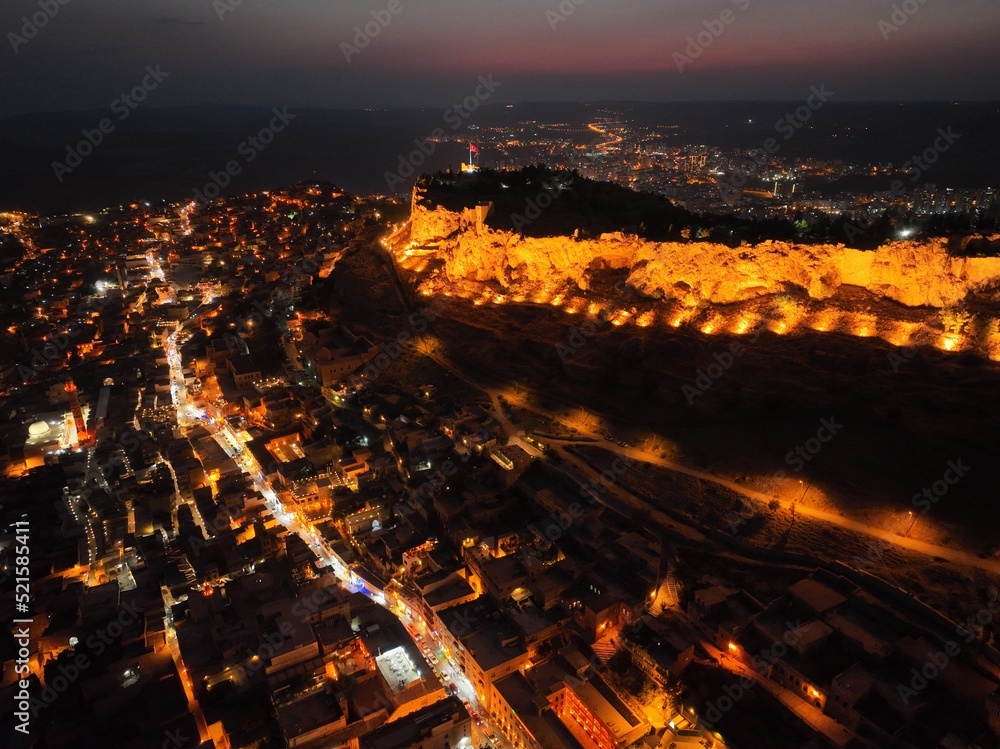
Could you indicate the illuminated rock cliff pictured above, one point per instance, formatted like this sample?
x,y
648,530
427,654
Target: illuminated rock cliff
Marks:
x,y
906,293
915,274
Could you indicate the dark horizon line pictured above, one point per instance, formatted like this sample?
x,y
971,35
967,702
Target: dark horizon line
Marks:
x,y
531,102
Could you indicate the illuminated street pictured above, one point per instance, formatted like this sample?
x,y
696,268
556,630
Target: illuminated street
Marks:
x,y
231,442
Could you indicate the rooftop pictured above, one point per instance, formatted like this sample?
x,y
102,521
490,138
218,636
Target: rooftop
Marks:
x,y
243,365
815,595
492,647
419,726
397,669
307,713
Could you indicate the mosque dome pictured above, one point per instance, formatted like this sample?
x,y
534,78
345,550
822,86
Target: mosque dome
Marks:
x,y
38,429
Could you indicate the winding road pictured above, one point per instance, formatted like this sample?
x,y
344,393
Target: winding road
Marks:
x,y
594,438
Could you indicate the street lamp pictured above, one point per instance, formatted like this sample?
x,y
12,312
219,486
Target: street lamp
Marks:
x,y
913,519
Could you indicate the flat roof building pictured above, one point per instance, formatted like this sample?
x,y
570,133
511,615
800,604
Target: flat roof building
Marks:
x,y
445,723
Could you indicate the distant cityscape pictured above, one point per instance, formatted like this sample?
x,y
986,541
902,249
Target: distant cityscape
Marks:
x,y
752,184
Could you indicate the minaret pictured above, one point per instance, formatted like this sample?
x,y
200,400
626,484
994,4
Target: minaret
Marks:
x,y
74,403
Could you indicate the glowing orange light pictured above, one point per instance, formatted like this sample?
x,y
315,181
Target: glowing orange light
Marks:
x,y
949,342
824,321
621,318
712,325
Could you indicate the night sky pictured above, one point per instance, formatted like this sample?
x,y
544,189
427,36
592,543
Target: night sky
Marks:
x,y
289,52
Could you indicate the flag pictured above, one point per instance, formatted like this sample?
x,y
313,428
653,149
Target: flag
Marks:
x,y
473,148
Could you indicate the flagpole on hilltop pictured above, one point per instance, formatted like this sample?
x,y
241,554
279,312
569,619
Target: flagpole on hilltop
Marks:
x,y
473,158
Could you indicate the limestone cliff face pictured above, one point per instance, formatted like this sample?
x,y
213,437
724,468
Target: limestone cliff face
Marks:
x,y
428,225
914,274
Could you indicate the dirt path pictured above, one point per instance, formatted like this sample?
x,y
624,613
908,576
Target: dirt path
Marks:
x,y
593,438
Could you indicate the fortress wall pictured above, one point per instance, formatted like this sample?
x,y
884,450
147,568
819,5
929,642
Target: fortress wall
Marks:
x,y
914,274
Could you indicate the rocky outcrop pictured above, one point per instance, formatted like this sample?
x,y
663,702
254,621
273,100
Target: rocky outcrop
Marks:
x,y
915,274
